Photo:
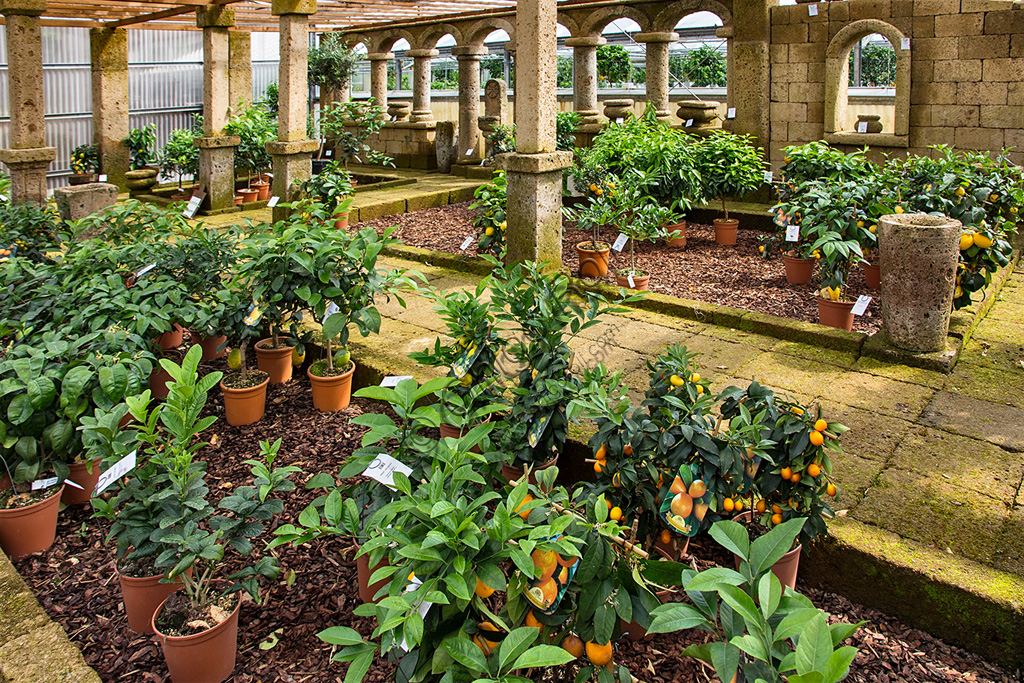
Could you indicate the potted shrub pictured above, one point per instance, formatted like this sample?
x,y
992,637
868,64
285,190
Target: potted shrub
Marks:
x,y
332,188
141,143
837,258
349,125
598,211
85,163
637,217
180,156
330,67
255,127
245,390
491,202
728,165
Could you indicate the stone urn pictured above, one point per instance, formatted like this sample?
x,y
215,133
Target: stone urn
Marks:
x,y
697,114
399,111
873,121
140,180
618,110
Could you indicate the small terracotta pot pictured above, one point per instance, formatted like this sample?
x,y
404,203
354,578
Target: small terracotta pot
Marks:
x,y
640,282
245,406
515,474
872,274
451,432
262,190
837,314
725,231
209,345
798,270
30,529
207,657
679,242
172,339
141,597
342,223
593,262
183,197
787,567
275,362
158,382
248,195
331,393
81,475
238,199
366,591
635,631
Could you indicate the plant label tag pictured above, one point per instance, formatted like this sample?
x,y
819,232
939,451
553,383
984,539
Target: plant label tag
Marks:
x,y
332,308
190,210
862,304
392,381
768,176
3,198
466,242
904,43
620,242
145,270
102,178
689,123
253,315
383,469
792,233
74,485
40,484
629,279
469,152
329,153
272,202
731,114
117,470
862,127
194,200
812,10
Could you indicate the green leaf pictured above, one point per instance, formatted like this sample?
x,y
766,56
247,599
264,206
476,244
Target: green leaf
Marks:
x,y
466,653
769,549
732,536
712,579
793,623
769,592
515,644
815,646
675,616
543,655
839,664
340,635
742,603
752,645
41,392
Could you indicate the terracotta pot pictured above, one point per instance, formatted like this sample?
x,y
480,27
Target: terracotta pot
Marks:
x,y
798,270
725,231
342,223
158,382
593,262
207,657
183,197
209,345
787,567
515,474
172,339
679,242
30,529
238,199
141,597
275,362
635,631
872,274
837,314
640,282
366,591
248,195
331,393
245,406
262,190
451,432
81,475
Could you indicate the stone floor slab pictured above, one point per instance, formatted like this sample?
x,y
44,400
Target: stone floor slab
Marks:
x,y
871,392
854,476
987,383
996,423
789,373
872,436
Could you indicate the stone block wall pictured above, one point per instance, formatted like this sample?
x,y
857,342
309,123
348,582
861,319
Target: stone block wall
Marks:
x,y
966,73
410,144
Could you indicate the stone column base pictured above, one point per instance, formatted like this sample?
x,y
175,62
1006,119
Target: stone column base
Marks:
x,y
217,171
534,212
292,165
28,172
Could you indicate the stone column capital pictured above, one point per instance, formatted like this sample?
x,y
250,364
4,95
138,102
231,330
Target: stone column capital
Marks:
x,y
28,158
469,51
421,53
657,37
280,7
585,41
108,49
26,8
380,56
544,162
215,16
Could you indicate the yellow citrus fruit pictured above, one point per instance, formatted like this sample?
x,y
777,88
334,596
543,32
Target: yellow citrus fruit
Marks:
x,y
760,249
599,655
627,450
831,489
776,509
813,469
298,356
992,197
466,381
817,438
617,480
235,359
697,489
834,293
666,536
761,506
898,209
485,645
983,241
483,590
489,231
525,513
615,513
601,452
573,645
960,192
786,473
599,465
599,192
728,505
532,621
546,561
676,380
700,389
966,241
608,503
873,229
777,518
797,411
739,505
695,377
503,226
820,425
860,224
593,187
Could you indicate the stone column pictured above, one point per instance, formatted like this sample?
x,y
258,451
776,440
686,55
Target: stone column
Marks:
x,y
657,70
749,67
239,69
421,80
29,156
216,150
379,77
534,212
470,149
108,49
291,151
584,77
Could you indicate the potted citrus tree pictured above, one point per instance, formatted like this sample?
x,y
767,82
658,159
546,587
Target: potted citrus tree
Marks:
x,y
85,163
598,211
332,187
729,165
640,219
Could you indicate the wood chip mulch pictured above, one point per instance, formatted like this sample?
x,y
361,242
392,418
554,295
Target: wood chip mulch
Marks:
x,y
704,271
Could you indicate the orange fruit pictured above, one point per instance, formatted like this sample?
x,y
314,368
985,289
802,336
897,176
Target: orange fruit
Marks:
x,y
599,655
786,473
795,478
817,438
678,486
776,509
776,518
615,513
820,425
601,452
608,503
617,480
739,505
628,450
682,505
485,645
525,513
666,536
831,490
761,506
483,590
573,645
697,489
599,465
813,469
532,621
728,505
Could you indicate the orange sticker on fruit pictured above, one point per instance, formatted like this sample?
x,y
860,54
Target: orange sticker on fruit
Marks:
x,y
687,504
546,591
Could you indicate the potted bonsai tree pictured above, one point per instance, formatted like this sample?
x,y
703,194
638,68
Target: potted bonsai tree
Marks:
x,y
141,143
728,165
85,163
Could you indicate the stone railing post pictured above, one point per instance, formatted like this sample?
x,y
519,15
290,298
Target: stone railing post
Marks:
x,y
470,149
216,150
584,77
421,82
379,77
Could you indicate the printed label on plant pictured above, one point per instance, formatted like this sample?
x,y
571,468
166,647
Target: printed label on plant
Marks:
x,y
466,242
391,381
792,233
629,279
862,127
546,592
689,122
383,469
685,509
8,252
466,359
332,308
143,271
102,178
767,176
469,152
423,607
731,114
812,10
620,242
74,485
190,210
862,304
253,315
329,153
537,430
40,484
117,470
272,202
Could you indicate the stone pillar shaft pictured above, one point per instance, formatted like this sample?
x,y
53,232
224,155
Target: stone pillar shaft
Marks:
x,y
584,77
421,82
657,70
470,149
239,69
216,98
109,58
216,151
379,77
536,76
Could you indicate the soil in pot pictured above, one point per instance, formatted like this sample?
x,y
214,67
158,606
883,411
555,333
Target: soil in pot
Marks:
x,y
838,314
872,274
245,401
199,644
678,242
593,261
725,231
332,389
276,362
28,521
798,270
142,592
85,474
640,282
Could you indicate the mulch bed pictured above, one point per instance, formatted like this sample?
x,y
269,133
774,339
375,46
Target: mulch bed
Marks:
x,y
727,276
77,586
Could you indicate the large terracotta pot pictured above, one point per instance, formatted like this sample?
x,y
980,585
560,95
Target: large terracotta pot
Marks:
x,y
275,362
81,475
207,657
248,195
342,222
141,597
262,190
451,432
512,473
838,314
798,270
640,282
725,231
366,591
331,393
872,274
238,199
679,242
30,529
245,406
158,381
593,262
171,339
787,567
209,345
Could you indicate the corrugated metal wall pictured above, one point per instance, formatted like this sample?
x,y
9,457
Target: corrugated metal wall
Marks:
x,y
165,84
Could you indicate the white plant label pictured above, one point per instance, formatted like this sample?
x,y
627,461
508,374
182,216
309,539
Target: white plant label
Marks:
x,y
383,469
190,210
40,484
102,178
812,10
620,242
392,381
469,152
689,122
194,199
904,43
117,470
329,153
74,485
423,607
629,279
767,176
332,308
272,202
145,270
792,233
862,127
731,114
3,198
862,304
466,242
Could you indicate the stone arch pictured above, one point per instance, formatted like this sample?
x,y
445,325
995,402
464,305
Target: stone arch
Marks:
x,y
477,32
387,39
593,24
354,39
837,73
569,22
428,38
669,17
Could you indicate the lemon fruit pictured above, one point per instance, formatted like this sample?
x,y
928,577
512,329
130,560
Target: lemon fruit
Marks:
x,y
298,355
342,358
235,359
982,240
817,439
489,231
966,241
676,380
503,226
599,655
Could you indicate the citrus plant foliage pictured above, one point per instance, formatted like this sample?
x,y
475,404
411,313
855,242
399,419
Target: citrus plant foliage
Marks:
x,y
491,202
